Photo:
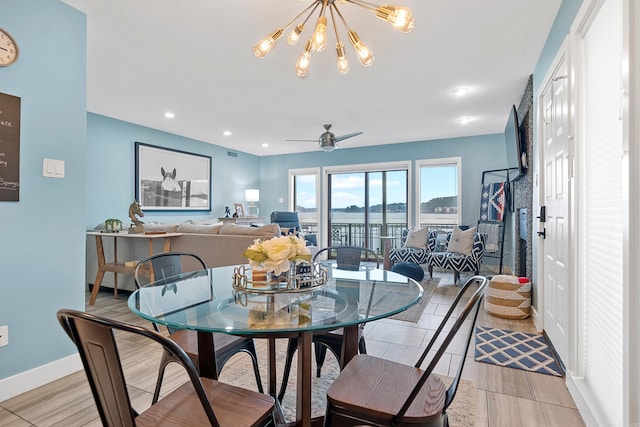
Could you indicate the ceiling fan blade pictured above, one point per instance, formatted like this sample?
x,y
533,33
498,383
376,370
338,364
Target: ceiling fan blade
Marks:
x,y
349,135
302,140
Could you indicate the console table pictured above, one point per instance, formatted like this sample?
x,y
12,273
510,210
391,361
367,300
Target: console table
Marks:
x,y
120,267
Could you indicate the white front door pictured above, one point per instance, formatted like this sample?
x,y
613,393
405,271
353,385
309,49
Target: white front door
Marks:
x,y
556,198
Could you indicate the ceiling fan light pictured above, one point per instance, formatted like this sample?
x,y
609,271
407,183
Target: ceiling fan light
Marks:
x,y
399,17
264,46
327,146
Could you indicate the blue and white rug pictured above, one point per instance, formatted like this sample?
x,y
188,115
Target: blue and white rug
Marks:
x,y
502,347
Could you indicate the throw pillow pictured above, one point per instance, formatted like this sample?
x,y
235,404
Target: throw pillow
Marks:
x,y
417,239
461,242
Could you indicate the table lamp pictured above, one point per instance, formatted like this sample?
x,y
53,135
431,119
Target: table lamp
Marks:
x,y
251,196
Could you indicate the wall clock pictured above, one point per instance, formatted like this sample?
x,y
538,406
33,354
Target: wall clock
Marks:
x,y
8,49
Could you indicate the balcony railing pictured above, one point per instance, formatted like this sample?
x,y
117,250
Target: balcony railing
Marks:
x,y
353,234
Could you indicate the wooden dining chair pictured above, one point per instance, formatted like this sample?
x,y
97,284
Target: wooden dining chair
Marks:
x,y
347,258
199,401
167,264
374,391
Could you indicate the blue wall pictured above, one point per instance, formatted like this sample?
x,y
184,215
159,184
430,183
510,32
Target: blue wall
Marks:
x,y
42,252
478,153
110,166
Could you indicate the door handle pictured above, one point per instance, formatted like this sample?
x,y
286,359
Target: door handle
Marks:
x,y
543,214
543,233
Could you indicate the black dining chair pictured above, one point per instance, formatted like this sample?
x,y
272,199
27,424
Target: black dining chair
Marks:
x,y
374,391
347,258
199,401
165,265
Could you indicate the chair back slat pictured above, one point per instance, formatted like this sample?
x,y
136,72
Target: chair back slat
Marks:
x,y
470,309
94,337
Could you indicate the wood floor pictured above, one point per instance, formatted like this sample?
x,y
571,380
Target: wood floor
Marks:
x,y
506,397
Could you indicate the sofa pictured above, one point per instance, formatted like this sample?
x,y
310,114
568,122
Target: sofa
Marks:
x,y
219,244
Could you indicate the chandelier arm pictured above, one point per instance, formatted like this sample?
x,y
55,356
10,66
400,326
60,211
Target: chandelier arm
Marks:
x,y
333,20
365,4
344,21
312,6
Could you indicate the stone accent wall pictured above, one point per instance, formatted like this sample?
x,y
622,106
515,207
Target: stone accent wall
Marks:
x,y
522,189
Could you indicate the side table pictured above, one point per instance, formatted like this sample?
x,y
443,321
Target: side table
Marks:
x,y
119,267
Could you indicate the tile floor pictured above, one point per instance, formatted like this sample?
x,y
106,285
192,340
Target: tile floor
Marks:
x,y
506,397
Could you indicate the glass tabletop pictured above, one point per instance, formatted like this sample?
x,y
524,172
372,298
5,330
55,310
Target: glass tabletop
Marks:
x,y
205,300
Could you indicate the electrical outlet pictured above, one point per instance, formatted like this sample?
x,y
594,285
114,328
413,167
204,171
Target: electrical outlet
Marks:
x,y
4,335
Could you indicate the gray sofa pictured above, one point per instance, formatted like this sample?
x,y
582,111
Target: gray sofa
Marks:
x,y
218,244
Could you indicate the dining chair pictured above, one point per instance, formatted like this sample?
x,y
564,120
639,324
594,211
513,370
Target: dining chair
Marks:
x,y
347,258
374,391
167,264
199,401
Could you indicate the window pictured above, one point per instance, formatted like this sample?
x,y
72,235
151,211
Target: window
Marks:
x,y
304,196
439,186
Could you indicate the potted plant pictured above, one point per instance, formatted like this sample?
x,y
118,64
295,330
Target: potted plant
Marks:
x,y
113,224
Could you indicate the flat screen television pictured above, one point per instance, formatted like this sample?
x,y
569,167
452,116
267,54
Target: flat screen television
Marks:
x,y
516,150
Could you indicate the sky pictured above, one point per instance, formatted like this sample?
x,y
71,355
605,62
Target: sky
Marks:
x,y
348,188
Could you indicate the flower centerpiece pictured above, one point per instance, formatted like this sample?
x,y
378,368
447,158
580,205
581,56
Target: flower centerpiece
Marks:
x,y
277,253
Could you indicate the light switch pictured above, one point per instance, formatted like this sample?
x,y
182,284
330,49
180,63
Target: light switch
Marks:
x,y
53,168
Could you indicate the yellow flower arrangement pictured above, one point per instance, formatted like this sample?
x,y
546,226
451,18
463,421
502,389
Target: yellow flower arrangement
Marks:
x,y
277,253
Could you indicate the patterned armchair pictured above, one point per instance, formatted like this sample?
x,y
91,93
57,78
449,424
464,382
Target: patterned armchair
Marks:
x,y
416,255
459,262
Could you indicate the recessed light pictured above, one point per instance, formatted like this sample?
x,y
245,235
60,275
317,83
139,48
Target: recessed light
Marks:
x,y
227,133
169,115
265,144
464,120
460,91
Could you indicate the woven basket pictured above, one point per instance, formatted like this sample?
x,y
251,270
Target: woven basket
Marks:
x,y
508,297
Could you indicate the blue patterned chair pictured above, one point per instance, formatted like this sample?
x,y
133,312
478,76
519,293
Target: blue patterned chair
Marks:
x,y
415,255
458,262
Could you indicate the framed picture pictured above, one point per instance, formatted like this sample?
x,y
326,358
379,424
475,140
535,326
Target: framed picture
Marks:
x,y
172,180
239,210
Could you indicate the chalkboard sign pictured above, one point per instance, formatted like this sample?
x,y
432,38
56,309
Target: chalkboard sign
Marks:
x,y
9,148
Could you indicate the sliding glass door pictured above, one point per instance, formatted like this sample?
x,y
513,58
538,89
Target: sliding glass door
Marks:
x,y
365,205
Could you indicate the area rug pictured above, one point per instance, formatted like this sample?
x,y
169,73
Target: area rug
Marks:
x,y
519,350
413,313
238,371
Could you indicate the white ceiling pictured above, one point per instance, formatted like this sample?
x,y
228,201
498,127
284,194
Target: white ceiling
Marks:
x,y
146,57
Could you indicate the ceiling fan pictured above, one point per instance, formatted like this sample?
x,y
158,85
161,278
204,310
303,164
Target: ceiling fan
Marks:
x,y
327,140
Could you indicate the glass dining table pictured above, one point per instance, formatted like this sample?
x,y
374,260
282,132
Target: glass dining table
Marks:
x,y
206,301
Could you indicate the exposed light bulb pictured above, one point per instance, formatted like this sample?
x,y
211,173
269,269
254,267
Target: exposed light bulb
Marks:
x,y
399,17
265,45
320,35
294,35
343,63
365,56
302,65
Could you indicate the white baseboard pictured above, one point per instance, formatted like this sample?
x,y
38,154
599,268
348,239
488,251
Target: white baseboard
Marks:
x,y
34,378
585,402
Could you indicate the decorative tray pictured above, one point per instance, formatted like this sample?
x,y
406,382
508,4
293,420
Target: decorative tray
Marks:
x,y
307,276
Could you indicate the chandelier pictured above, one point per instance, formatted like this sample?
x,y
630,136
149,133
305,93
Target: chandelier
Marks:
x,y
399,17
